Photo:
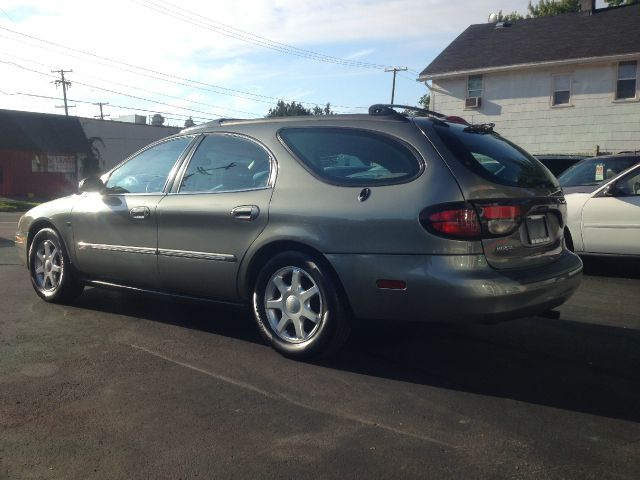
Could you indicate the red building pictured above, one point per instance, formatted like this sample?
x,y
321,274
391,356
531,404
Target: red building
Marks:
x,y
40,154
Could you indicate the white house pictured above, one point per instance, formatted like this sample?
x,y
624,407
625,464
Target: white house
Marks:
x,y
566,84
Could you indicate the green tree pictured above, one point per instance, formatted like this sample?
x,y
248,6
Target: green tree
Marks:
x,y
286,109
509,17
545,8
423,102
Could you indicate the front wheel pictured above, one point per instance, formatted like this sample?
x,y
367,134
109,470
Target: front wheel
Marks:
x,y
298,308
50,270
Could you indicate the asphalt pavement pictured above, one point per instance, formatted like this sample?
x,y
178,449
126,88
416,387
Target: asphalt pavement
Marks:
x,y
123,386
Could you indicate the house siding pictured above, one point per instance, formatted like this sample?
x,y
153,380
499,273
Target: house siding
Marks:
x,y
519,103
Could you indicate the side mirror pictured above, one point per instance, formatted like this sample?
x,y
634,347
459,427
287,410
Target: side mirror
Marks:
x,y
91,184
611,191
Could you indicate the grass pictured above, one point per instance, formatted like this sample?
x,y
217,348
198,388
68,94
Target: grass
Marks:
x,y
11,205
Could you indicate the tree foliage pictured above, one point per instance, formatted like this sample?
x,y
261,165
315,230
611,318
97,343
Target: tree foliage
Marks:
x,y
544,8
423,102
286,109
509,17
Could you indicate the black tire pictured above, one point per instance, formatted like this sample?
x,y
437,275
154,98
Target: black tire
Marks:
x,y
52,274
324,337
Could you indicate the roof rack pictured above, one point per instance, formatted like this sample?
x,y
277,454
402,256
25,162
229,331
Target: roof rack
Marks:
x,y
383,109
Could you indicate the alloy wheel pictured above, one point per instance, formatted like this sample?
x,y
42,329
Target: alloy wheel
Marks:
x,y
294,304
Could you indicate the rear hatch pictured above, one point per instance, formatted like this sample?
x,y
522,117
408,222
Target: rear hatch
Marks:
x,y
518,202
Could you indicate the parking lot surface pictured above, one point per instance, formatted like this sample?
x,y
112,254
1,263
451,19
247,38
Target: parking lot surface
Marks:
x,y
123,386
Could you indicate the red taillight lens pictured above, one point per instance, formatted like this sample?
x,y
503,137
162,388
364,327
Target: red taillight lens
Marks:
x,y
500,219
460,222
500,212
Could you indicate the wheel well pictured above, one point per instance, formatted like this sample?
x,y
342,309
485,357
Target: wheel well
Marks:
x,y
568,239
35,228
267,251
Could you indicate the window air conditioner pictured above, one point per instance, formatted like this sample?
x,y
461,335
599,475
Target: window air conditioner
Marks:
x,y
472,102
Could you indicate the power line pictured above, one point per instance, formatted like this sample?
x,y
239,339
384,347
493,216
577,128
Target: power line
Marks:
x,y
192,83
114,91
112,105
137,88
209,24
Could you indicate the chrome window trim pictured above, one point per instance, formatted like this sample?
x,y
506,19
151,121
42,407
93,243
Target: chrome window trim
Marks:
x,y
170,176
273,165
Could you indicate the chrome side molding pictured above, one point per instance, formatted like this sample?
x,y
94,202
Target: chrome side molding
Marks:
x,y
165,252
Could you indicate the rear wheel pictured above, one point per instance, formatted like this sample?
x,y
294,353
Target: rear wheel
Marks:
x,y
51,274
298,308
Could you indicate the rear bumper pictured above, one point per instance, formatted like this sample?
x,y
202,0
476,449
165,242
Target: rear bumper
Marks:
x,y
453,288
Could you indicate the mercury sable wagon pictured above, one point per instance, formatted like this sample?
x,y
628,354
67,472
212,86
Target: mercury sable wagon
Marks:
x,y
315,221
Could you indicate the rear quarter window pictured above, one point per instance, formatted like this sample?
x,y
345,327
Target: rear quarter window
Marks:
x,y
493,157
352,157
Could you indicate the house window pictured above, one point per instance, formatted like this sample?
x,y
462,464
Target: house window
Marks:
x,y
561,90
474,91
626,84
474,86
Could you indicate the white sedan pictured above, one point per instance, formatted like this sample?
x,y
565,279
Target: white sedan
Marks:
x,y
607,220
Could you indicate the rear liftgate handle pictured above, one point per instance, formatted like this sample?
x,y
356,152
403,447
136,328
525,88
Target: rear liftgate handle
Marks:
x,y
245,212
140,213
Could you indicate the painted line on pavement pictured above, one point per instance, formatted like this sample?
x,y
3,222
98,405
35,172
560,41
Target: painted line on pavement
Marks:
x,y
279,396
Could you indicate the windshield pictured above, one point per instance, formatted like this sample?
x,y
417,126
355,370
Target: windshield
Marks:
x,y
492,157
594,171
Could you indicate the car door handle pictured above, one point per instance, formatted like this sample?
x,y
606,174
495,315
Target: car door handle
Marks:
x,y
245,212
140,213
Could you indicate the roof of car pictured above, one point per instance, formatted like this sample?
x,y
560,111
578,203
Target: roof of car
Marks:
x,y
605,32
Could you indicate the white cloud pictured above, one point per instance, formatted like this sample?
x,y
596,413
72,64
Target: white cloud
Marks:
x,y
377,31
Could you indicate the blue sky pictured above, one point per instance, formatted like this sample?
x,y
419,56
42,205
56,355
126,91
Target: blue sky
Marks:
x,y
211,61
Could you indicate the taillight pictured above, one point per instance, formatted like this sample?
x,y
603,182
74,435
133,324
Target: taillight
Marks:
x,y
500,219
471,222
452,222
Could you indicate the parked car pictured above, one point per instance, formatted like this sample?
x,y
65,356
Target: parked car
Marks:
x,y
607,220
557,164
314,221
587,175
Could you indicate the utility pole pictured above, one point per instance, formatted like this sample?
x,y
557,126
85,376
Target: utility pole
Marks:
x,y
65,84
101,104
394,70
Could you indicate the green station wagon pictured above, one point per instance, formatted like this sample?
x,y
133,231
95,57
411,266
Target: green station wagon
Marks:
x,y
315,221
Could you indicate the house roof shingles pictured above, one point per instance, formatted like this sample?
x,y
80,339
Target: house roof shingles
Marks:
x,y
41,132
572,36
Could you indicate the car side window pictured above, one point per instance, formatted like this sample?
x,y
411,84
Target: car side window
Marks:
x,y
147,172
629,186
226,163
352,157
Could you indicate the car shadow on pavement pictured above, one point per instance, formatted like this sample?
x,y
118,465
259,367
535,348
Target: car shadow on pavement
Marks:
x,y
612,267
217,318
563,364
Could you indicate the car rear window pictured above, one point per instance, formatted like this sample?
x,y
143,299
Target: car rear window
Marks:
x,y
595,170
491,156
346,156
